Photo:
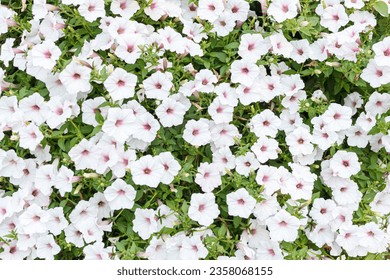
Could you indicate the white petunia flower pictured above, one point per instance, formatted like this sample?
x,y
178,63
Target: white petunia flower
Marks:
x,y
203,208
240,203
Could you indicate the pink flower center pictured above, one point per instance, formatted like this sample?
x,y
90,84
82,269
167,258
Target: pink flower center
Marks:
x,y
118,123
76,76
241,201
147,171
123,5
283,224
147,127
245,70
201,207
36,218
121,30
47,54
35,193
211,7
121,83
59,111
130,48
346,163
192,7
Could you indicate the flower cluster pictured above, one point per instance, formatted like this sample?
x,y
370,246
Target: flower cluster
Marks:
x,y
210,129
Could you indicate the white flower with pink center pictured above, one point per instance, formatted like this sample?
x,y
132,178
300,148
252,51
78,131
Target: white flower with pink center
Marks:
x,y
120,195
203,208
283,226
147,171
240,203
345,164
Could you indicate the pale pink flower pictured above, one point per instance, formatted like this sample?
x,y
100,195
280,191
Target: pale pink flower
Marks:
x,y
283,226
203,208
240,203
120,195
147,171
45,55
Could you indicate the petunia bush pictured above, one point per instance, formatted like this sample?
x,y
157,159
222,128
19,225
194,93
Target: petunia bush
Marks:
x,y
181,129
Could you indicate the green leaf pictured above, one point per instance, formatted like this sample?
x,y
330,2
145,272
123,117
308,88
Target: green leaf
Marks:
x,y
61,144
121,226
185,207
96,130
222,231
220,55
233,45
73,142
236,221
120,246
99,118
382,8
138,195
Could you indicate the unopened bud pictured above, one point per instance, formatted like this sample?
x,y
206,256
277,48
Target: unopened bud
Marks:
x,y
90,175
333,64
14,137
304,23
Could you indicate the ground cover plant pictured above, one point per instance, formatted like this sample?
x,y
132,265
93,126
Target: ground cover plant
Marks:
x,y
181,129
